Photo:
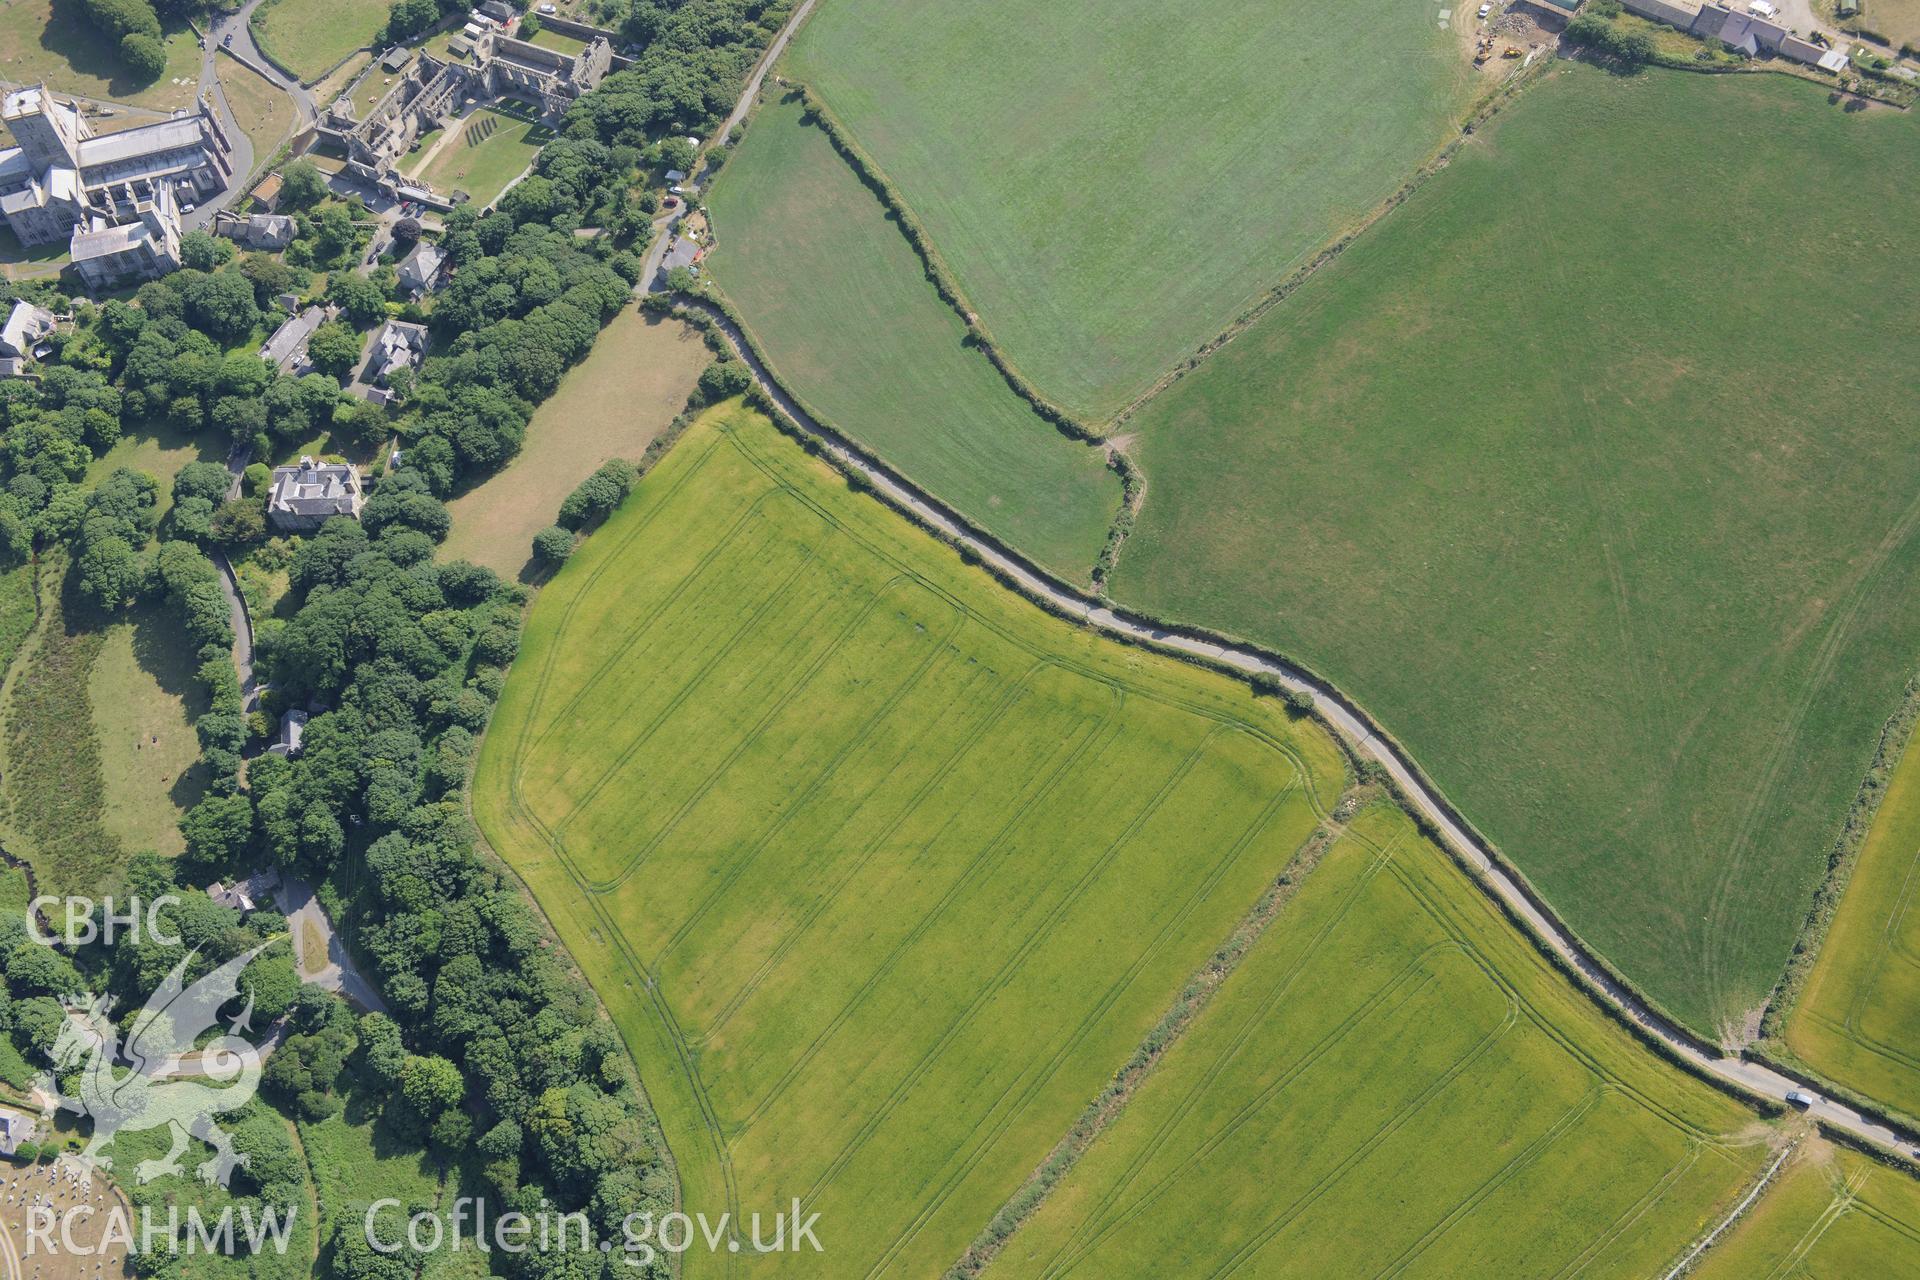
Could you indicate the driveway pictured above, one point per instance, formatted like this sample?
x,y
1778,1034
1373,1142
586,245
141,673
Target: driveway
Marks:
x,y
333,969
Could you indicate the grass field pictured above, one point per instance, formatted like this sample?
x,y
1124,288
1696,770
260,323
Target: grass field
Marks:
x,y
311,36
1898,20
144,696
263,113
1858,1021
1541,473
1113,180
1830,1215
44,41
158,449
483,163
881,871
802,240
1422,1095
620,397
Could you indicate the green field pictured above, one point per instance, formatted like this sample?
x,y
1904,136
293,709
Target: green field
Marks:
x,y
1830,1215
312,36
1542,473
834,295
145,697
1422,1095
881,871
481,160
1114,180
1858,1021
51,43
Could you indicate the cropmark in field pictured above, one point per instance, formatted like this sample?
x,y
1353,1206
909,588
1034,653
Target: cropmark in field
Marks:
x,y
1830,1214
884,873
1589,472
832,293
1113,181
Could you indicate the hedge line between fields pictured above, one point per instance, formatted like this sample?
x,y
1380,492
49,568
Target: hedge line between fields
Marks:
x,y
810,442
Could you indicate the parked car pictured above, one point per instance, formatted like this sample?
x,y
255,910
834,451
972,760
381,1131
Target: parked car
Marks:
x,y
1801,1098
671,202
227,42
1485,9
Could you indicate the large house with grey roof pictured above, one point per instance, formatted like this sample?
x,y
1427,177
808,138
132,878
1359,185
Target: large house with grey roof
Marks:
x,y
306,496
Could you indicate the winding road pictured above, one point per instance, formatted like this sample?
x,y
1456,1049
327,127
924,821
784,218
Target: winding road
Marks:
x,y
1351,723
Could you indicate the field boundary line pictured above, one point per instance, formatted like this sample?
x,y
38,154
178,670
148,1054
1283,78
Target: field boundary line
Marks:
x,y
1766,1179
1756,1083
1194,997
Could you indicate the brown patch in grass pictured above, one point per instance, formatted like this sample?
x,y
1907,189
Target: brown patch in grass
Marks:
x,y
620,397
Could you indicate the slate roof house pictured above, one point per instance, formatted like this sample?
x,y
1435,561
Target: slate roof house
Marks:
x,y
420,270
269,231
286,350
25,326
307,495
398,345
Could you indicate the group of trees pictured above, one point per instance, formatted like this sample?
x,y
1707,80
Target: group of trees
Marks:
x,y
133,28
591,501
1599,31
693,55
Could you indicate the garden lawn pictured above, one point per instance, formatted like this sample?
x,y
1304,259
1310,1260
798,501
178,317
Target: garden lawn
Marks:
x,y
158,449
1830,1213
145,697
483,169
46,42
623,395
834,295
881,871
1113,181
314,36
1589,475
1396,1079
1858,1020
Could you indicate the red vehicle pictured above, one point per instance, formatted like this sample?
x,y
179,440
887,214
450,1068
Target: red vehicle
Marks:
x,y
671,202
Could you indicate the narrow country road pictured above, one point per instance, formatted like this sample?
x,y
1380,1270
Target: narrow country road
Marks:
x,y
1352,724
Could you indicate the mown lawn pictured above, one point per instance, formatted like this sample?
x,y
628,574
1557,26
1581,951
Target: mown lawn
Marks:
x,y
1114,180
482,163
625,393
50,41
835,296
1397,1080
1590,473
1831,1212
882,872
312,36
1858,1021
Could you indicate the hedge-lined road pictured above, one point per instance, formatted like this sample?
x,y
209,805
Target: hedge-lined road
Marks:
x,y
1747,1077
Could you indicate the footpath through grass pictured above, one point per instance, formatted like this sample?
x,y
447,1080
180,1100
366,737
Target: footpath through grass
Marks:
x,y
838,300
1858,1021
1420,1093
1114,180
1590,472
881,871
1830,1213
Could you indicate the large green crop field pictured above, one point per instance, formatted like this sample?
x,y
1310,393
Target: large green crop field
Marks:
x,y
1421,1094
1114,180
1858,1021
1830,1215
834,295
882,872
1590,472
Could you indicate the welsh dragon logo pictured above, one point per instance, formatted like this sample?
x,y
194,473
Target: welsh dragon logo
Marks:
x,y
158,1078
